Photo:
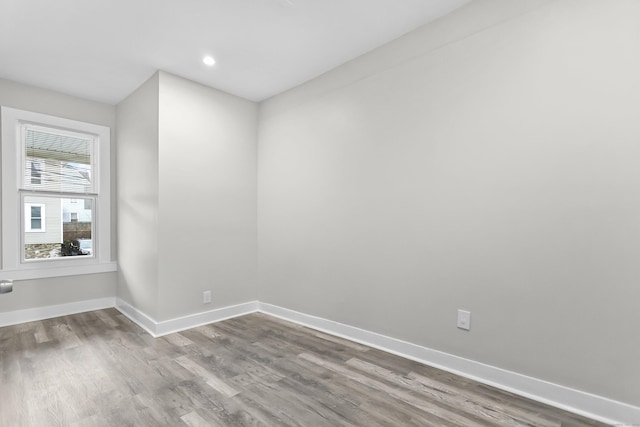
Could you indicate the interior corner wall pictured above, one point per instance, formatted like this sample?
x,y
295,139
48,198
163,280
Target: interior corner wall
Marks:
x,y
208,198
137,187
59,290
487,162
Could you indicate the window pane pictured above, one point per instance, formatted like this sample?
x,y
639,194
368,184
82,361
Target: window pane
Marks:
x,y
66,224
57,162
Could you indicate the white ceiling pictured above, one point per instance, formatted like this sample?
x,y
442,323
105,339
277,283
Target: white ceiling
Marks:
x,y
104,49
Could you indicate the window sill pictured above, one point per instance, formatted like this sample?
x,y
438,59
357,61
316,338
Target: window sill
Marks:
x,y
43,273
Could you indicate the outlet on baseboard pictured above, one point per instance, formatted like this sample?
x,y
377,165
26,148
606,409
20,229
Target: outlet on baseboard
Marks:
x,y
206,297
464,320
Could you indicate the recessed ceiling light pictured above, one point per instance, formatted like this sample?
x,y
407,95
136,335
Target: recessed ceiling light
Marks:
x,y
208,60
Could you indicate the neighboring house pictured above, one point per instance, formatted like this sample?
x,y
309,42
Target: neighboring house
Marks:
x,y
43,220
76,210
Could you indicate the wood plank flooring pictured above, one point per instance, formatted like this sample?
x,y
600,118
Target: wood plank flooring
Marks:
x,y
100,369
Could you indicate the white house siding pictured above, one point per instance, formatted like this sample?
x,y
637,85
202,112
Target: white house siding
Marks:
x,y
77,206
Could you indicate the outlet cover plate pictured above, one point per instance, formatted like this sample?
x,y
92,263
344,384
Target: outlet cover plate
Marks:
x,y
464,320
206,297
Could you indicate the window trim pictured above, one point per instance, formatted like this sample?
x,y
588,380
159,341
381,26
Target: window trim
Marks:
x,y
13,264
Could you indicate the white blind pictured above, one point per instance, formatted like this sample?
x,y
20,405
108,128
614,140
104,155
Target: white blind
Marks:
x,y
57,161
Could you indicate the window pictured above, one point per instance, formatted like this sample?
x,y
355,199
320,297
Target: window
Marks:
x,y
36,172
56,173
34,217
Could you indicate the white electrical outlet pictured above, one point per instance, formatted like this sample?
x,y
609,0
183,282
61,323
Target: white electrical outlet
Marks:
x,y
206,297
464,320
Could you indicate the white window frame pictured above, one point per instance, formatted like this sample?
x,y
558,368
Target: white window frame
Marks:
x,y
28,218
14,266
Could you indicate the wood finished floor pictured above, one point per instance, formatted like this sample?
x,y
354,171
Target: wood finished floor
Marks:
x,y
100,369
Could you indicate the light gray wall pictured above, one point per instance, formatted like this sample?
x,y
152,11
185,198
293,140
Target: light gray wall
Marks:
x,y
31,98
62,290
487,162
138,174
187,201
29,294
208,196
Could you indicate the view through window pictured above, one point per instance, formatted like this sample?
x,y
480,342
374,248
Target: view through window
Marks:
x,y
57,174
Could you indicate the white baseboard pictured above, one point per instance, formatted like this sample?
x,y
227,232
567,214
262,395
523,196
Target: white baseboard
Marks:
x,y
158,329
579,402
199,319
136,316
47,312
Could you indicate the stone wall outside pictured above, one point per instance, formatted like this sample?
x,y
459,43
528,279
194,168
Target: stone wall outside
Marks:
x,y
42,250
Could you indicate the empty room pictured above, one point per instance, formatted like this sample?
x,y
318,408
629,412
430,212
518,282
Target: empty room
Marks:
x,y
320,213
